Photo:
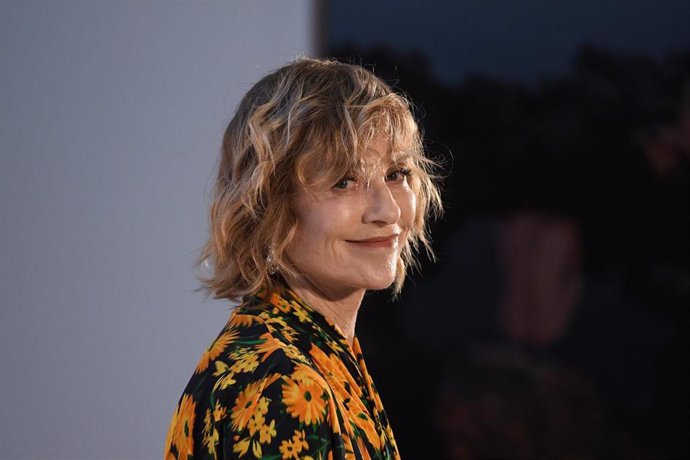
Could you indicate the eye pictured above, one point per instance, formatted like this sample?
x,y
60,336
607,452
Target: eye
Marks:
x,y
345,183
398,175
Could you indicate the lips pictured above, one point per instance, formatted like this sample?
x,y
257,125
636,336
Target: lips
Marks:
x,y
387,241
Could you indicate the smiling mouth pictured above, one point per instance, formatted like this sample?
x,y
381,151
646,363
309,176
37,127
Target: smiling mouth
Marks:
x,y
378,242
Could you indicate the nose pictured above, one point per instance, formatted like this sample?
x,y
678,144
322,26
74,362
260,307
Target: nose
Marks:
x,y
381,206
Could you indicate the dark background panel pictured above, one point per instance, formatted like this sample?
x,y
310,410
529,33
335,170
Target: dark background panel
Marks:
x,y
554,323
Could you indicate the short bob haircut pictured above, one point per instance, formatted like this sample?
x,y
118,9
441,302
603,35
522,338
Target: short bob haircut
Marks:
x,y
307,124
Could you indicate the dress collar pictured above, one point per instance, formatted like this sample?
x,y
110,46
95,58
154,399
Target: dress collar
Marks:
x,y
285,303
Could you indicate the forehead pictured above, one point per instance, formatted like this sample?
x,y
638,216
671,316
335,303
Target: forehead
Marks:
x,y
380,152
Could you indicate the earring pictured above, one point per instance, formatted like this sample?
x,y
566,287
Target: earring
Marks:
x,y
270,261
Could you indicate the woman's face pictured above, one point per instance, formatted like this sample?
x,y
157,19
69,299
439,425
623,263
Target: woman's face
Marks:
x,y
349,238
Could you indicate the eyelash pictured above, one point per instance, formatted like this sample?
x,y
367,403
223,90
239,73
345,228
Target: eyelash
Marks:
x,y
342,183
403,172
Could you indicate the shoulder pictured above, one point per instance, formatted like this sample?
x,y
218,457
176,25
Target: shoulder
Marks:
x,y
271,412
260,394
255,389
251,348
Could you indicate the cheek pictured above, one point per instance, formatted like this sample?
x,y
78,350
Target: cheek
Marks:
x,y
407,201
317,227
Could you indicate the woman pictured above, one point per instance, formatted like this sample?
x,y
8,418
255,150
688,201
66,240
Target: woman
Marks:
x,y
322,193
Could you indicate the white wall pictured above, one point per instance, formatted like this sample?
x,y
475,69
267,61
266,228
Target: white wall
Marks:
x,y
111,115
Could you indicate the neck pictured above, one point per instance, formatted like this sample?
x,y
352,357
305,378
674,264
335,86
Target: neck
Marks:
x,y
340,308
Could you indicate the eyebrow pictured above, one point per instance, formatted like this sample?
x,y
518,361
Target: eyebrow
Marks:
x,y
404,157
390,161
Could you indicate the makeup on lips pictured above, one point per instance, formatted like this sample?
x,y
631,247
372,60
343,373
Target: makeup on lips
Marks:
x,y
388,241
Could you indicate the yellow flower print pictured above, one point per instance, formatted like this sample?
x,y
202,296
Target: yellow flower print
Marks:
x,y
334,345
288,450
241,447
181,428
290,335
219,412
221,368
247,414
299,440
363,450
378,405
389,435
255,423
333,415
239,320
263,405
247,362
278,324
358,414
333,367
349,450
305,374
225,381
245,405
304,400
300,313
256,449
366,426
294,353
211,442
266,348
267,432
207,421
210,435
215,350
280,303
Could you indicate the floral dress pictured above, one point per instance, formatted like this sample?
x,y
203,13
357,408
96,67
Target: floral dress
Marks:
x,y
280,382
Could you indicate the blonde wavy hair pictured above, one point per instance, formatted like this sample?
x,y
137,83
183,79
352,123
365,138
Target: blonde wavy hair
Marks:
x,y
307,124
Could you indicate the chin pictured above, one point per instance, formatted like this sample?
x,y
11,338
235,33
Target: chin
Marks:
x,y
383,278
379,285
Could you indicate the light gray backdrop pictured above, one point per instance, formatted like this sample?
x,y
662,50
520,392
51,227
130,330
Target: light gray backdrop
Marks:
x,y
111,115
